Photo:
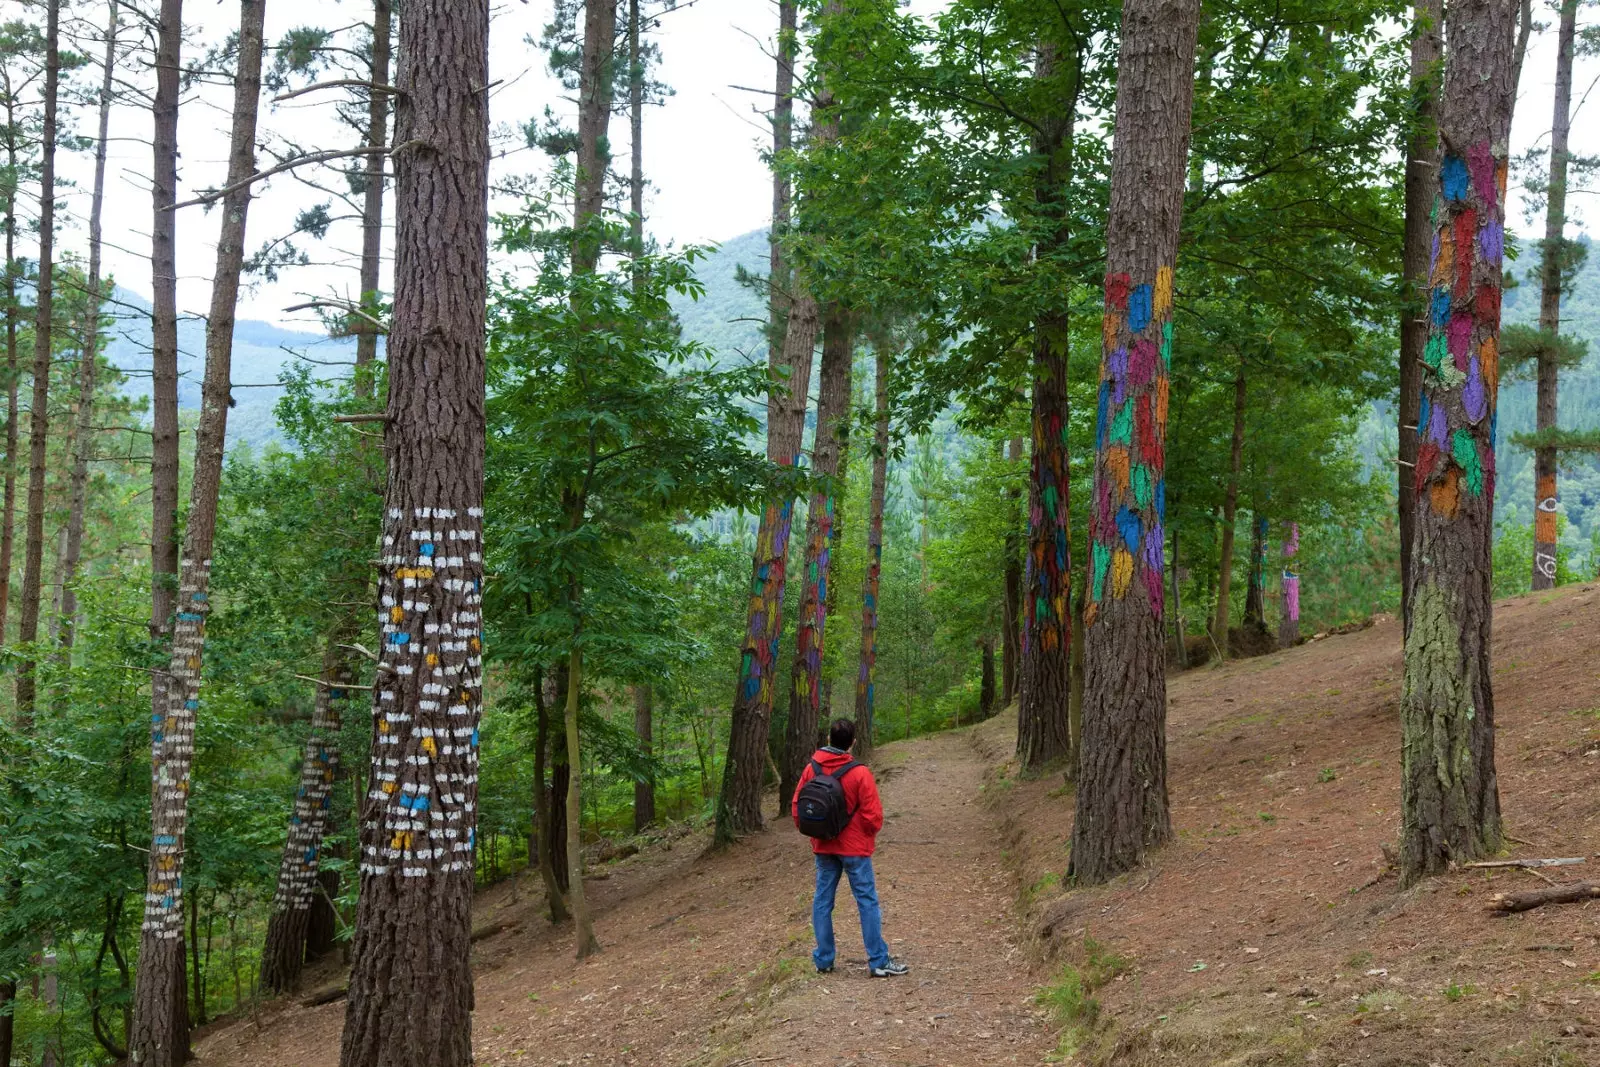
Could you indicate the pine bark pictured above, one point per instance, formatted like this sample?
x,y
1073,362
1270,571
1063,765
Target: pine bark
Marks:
x,y
867,673
161,941
595,86
164,339
372,203
39,423
1289,619
418,825
13,379
1422,158
88,362
635,140
1555,225
582,920
1045,680
833,428
288,927
644,793
1230,513
1122,808
792,334
1450,804
1255,597
1011,606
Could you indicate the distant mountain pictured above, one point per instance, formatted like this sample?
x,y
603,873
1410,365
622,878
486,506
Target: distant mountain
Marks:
x,y
729,317
260,352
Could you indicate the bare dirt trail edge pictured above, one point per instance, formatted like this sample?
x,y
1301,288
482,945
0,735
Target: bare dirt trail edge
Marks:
x,y
706,959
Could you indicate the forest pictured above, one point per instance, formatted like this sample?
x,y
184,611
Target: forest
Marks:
x,y
1090,348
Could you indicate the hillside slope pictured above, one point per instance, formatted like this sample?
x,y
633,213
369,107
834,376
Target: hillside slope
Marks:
x,y
1270,933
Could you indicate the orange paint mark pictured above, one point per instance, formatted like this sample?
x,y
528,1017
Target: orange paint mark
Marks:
x,y
1489,360
1445,494
1117,466
1544,518
1445,266
1162,390
1090,610
1109,326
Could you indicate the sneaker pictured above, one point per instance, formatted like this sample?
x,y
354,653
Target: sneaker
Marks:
x,y
825,970
890,970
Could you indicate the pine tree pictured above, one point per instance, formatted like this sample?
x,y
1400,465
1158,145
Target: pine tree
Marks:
x,y
1450,804
866,678
418,819
161,962
372,195
1230,512
1122,767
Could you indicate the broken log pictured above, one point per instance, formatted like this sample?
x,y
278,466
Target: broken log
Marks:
x,y
1564,861
326,995
1561,894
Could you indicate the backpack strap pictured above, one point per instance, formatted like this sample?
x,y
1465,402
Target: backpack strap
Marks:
x,y
816,769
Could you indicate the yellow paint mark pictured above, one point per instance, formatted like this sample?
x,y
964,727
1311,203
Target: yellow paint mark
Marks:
x,y
413,572
389,787
1163,301
433,659
429,747
383,726
396,613
401,839
474,644
1121,573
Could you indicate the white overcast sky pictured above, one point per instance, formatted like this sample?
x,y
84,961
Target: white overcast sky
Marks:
x,y
702,148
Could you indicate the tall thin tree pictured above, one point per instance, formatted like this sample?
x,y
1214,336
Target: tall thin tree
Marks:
x,y
418,823
152,1041
1230,515
1011,605
1450,802
866,678
1122,768
372,195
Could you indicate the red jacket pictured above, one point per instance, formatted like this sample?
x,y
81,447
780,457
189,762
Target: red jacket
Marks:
x,y
860,836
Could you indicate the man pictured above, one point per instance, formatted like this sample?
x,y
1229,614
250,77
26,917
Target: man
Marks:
x,y
848,853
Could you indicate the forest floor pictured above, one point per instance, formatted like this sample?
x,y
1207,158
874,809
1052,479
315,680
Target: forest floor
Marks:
x,y
1271,932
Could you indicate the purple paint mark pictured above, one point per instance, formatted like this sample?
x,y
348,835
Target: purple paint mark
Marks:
x,y
1119,374
1142,367
1474,397
1492,242
1291,596
1438,432
1459,336
1480,161
1433,259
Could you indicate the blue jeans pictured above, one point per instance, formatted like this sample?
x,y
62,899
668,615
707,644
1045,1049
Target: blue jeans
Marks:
x,y
859,869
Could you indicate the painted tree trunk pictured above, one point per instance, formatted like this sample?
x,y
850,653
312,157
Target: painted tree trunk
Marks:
x,y
867,672
1450,804
1289,619
595,89
1255,599
644,793
418,826
1122,808
372,198
833,428
8,507
1011,605
582,921
83,445
43,324
161,939
1230,514
285,951
739,807
1422,156
1553,253
1045,669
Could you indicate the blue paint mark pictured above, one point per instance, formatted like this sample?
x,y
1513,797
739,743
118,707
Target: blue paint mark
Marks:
x,y
191,705
1132,529
474,737
199,598
1424,413
1441,306
413,803
427,549
1453,174
399,639
1101,416
190,616
1161,500
166,839
1140,304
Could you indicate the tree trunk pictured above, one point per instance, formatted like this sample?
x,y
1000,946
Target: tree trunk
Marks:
x,y
1075,677
13,378
833,429
644,793
372,204
546,833
1180,648
636,140
583,922
83,436
1230,513
418,827
43,323
1450,804
739,807
1289,621
1044,689
1011,607
594,116
1552,255
288,927
1422,157
866,676
1255,597
986,690
161,945
789,347
1122,805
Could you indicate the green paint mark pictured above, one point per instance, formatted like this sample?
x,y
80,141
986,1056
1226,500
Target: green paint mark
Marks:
x,y
1166,343
1102,563
1141,485
1434,351
1122,426
1465,451
1049,499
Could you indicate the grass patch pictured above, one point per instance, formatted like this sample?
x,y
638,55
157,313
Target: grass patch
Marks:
x,y
1070,996
1326,775
1454,993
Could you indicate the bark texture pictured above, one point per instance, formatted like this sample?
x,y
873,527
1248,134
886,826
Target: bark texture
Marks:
x,y
164,339
644,793
1011,606
1122,808
1255,597
1450,805
1230,514
1422,158
833,428
1545,494
161,937
372,202
779,279
1289,619
288,927
418,823
867,674
595,86
8,509
39,423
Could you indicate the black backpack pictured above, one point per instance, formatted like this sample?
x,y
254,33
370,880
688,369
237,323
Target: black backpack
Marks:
x,y
821,805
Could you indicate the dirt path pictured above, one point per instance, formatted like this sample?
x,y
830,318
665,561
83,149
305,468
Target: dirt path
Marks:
x,y
707,957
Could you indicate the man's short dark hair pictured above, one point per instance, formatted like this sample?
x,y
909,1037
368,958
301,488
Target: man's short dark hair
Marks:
x,y
842,734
